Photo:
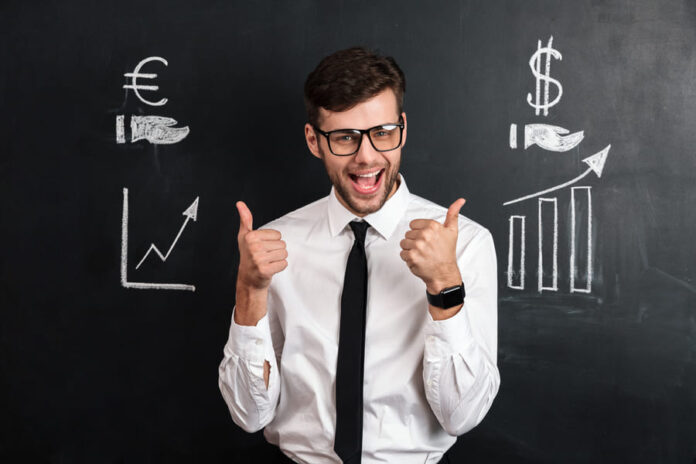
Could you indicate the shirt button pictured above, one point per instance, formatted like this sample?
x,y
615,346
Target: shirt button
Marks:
x,y
258,342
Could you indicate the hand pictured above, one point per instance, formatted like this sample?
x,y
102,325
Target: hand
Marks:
x,y
552,138
430,250
262,253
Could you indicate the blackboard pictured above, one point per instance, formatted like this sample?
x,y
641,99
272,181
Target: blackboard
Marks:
x,y
592,370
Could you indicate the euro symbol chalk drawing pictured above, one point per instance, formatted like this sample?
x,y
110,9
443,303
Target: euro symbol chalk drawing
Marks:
x,y
191,213
595,163
535,65
546,136
136,74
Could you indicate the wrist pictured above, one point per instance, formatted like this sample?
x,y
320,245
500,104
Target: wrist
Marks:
x,y
250,304
436,286
449,278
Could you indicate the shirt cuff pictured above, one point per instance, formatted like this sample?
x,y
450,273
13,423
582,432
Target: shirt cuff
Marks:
x,y
451,335
250,342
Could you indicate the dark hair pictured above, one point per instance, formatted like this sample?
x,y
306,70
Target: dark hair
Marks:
x,y
348,77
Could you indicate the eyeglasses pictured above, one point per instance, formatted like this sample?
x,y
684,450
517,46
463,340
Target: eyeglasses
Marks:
x,y
346,142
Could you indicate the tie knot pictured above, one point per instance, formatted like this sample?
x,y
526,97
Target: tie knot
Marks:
x,y
360,230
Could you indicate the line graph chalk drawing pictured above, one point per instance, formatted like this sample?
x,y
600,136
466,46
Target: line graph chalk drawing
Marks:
x,y
554,264
519,271
190,213
595,163
573,270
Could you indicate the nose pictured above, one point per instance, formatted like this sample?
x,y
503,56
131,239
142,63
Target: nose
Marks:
x,y
366,153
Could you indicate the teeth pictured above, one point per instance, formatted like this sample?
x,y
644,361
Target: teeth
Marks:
x,y
368,175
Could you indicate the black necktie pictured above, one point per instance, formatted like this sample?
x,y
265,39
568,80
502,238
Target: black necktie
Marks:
x,y
351,352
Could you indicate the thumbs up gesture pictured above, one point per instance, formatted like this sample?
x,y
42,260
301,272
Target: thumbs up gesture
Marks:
x,y
430,249
262,253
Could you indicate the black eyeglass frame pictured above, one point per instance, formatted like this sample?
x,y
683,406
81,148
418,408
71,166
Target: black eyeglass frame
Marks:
x,y
362,132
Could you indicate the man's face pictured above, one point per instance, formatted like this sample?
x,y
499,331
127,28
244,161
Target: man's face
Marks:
x,y
342,170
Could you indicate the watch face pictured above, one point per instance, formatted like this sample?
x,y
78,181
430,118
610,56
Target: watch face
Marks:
x,y
452,296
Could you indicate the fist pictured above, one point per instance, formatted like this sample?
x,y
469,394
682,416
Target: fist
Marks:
x,y
261,252
430,249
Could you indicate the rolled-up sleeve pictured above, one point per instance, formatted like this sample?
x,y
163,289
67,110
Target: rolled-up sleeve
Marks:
x,y
460,357
240,375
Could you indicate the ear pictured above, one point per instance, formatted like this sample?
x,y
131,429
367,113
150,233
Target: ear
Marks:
x,y
403,138
312,141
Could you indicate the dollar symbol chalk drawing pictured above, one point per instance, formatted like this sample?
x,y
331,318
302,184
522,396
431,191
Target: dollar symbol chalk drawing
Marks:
x,y
137,74
535,64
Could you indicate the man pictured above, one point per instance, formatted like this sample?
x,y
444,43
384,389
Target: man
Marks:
x,y
334,346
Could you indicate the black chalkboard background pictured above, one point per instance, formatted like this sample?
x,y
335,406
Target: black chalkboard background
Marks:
x,y
91,372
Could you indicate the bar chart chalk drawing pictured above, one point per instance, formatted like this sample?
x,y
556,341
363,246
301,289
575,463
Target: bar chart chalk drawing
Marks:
x,y
554,263
190,213
573,270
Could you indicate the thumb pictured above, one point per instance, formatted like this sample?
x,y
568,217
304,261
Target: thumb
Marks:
x,y
245,218
452,213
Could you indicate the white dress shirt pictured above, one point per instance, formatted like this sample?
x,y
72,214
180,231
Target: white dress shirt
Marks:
x,y
425,381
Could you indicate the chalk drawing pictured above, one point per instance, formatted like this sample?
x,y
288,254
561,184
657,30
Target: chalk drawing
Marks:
x,y
190,213
588,286
551,138
554,265
137,74
556,139
535,65
595,163
546,136
157,130
120,133
520,270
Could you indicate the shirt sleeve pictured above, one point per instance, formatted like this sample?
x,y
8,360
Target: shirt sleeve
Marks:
x,y
460,370
240,375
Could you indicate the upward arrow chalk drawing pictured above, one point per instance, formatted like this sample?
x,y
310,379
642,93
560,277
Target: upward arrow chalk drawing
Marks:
x,y
190,213
595,163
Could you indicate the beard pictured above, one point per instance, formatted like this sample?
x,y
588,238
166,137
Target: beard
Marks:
x,y
343,187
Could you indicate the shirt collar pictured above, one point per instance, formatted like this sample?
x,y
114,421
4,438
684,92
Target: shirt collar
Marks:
x,y
384,221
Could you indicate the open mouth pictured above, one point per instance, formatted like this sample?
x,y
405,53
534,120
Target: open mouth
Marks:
x,y
367,184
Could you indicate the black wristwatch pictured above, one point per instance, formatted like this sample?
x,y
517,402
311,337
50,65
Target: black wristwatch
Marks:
x,y
451,296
